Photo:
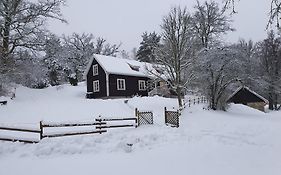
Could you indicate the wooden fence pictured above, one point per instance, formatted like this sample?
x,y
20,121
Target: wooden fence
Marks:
x,y
100,126
172,118
193,101
60,125
105,125
24,130
144,117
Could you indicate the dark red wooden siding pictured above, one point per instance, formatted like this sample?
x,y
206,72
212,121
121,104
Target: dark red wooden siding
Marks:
x,y
132,86
102,81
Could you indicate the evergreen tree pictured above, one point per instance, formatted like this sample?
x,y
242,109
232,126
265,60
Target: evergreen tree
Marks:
x,y
150,42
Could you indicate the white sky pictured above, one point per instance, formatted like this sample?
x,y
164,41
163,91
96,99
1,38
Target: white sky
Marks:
x,y
125,20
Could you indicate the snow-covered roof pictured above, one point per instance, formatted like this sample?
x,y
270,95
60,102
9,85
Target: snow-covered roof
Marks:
x,y
120,66
253,92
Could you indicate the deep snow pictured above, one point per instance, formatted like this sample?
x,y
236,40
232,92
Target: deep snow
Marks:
x,y
241,141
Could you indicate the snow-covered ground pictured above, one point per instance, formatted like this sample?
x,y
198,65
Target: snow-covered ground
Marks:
x,y
241,141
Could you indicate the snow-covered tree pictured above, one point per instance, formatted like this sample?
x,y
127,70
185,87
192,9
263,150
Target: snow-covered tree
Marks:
x,y
215,70
174,54
78,50
247,53
210,22
269,52
102,47
22,26
150,42
22,23
54,60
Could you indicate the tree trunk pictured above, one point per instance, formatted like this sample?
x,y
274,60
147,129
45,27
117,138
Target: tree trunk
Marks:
x,y
270,100
179,96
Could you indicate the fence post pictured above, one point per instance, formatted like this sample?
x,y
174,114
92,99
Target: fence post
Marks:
x,y
100,123
41,130
194,101
178,118
165,114
137,116
189,103
136,120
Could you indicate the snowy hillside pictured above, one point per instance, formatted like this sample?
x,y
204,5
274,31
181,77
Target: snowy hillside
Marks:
x,y
241,141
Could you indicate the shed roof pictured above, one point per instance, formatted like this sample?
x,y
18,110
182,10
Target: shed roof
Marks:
x,y
245,95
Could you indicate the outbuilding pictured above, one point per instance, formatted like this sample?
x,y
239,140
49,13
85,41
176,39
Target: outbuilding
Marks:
x,y
246,96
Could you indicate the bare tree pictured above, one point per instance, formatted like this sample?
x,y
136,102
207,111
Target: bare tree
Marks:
x,y
215,70
22,22
270,56
274,13
104,48
175,53
22,26
209,22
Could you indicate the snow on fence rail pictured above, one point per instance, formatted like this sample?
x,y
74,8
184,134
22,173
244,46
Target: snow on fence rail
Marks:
x,y
100,124
72,133
194,101
25,130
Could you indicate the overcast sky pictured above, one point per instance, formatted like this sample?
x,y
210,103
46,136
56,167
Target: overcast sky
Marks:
x,y
125,20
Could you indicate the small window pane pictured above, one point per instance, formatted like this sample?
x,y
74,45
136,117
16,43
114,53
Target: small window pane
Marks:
x,y
142,85
121,84
95,69
96,85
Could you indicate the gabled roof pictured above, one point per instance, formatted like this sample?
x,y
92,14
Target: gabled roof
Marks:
x,y
120,66
231,97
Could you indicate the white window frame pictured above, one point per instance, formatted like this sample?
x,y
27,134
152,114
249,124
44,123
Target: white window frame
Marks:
x,y
95,69
124,84
96,86
142,85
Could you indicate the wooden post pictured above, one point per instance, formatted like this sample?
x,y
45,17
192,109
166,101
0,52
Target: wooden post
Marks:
x,y
137,116
198,100
194,101
41,130
189,103
165,115
100,123
178,115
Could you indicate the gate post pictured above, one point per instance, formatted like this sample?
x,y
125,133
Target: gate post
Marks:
x,y
165,114
41,130
178,118
137,117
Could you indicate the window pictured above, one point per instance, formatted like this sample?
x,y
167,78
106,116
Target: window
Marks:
x,y
96,86
142,85
121,84
95,69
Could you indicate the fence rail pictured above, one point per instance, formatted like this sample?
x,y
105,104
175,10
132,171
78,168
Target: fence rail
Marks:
x,y
24,130
71,124
100,126
73,133
19,129
194,101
